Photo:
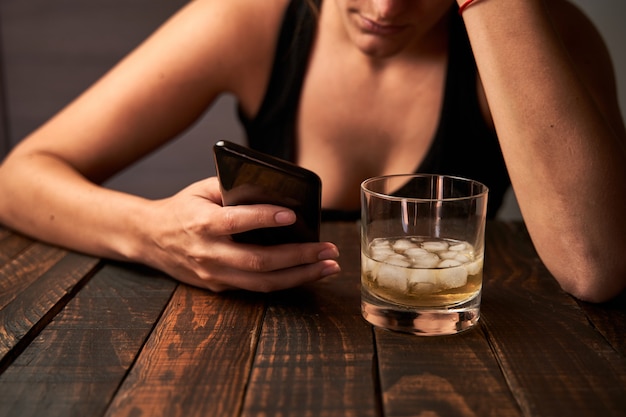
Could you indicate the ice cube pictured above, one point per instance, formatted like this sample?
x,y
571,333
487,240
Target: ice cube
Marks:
x,y
448,263
435,246
380,241
401,245
474,268
422,281
381,253
421,275
397,260
422,288
463,257
453,277
459,246
390,276
430,260
416,252
448,254
368,265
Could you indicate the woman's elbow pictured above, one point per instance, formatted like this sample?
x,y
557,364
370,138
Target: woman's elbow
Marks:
x,y
593,281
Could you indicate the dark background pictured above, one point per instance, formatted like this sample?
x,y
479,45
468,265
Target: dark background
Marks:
x,y
52,50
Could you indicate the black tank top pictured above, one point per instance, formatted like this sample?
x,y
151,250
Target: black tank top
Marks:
x,y
463,145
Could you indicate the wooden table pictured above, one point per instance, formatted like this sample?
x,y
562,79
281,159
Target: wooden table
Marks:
x,y
81,336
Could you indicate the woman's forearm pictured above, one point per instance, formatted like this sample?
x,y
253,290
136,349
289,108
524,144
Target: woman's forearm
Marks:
x,y
45,198
562,142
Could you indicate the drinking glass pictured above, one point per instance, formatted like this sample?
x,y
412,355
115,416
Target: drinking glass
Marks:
x,y
422,252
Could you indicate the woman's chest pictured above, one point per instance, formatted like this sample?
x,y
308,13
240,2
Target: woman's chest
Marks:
x,y
353,127
375,123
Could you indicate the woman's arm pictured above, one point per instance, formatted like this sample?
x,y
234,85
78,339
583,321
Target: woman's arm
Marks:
x,y
551,92
48,182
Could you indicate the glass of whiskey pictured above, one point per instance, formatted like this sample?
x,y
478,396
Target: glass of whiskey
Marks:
x,y
422,252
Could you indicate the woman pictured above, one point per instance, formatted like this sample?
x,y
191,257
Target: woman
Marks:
x,y
349,89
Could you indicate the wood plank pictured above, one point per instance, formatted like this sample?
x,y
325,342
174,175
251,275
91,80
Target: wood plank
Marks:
x,y
78,361
197,360
11,244
315,356
30,295
553,359
441,376
28,267
610,320
316,352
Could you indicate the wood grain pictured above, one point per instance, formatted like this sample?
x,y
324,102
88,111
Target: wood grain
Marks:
x,y
441,376
543,340
315,355
198,358
74,366
89,337
18,274
11,244
33,288
609,319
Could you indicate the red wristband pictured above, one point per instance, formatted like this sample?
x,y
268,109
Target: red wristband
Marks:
x,y
465,6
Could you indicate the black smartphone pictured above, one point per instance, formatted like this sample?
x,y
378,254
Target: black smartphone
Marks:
x,y
247,176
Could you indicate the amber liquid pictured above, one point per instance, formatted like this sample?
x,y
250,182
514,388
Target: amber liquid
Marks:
x,y
394,274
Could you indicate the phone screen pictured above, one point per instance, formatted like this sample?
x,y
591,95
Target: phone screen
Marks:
x,y
251,177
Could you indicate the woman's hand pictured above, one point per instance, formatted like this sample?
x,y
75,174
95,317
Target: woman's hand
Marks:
x,y
190,240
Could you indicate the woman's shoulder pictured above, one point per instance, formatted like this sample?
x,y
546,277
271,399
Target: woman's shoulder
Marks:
x,y
246,25
223,46
569,19
245,33
576,30
586,47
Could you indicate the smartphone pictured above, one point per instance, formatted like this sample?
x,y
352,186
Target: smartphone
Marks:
x,y
247,176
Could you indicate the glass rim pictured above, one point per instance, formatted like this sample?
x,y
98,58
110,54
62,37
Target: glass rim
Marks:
x,y
484,189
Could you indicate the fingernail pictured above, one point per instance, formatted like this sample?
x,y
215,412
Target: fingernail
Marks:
x,y
330,253
331,270
285,217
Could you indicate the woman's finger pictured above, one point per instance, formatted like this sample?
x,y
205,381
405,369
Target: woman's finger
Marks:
x,y
258,259
230,279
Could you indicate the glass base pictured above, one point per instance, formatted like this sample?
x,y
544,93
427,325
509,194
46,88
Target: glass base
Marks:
x,y
423,321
